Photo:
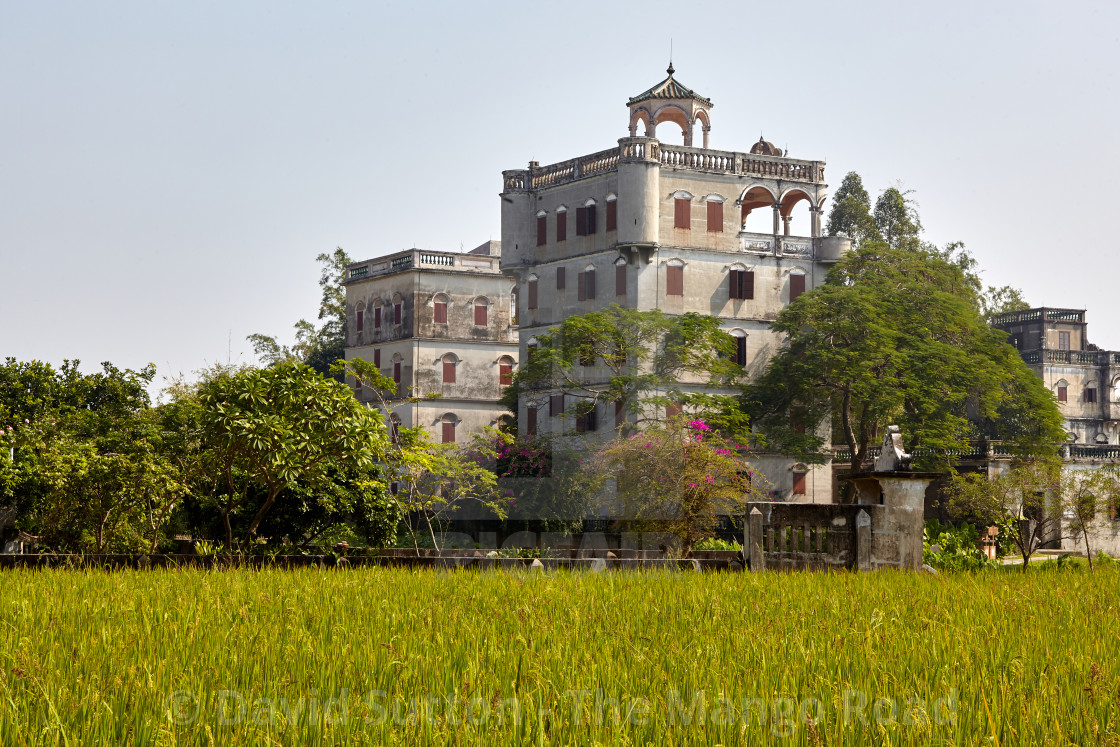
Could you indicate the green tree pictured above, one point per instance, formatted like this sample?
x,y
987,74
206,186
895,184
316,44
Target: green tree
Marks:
x,y
435,481
677,477
894,336
318,347
851,212
276,428
638,361
896,218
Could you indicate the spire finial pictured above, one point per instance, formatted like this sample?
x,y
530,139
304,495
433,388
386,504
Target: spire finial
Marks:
x,y
670,69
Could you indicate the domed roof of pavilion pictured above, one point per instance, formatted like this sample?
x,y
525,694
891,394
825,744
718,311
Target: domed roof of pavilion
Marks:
x,y
669,89
765,148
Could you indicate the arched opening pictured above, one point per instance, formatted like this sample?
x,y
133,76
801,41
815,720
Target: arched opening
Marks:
x,y
756,213
481,309
1061,390
795,216
448,424
701,129
640,123
1116,389
440,302
676,116
739,355
505,371
450,361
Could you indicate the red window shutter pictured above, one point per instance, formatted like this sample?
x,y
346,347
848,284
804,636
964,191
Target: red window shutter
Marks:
x,y
796,286
531,421
590,283
561,278
715,217
377,358
581,285
556,404
612,215
735,284
674,281
397,372
396,313
562,226
480,315
673,410
448,372
441,313
799,483
448,433
682,213
377,318
542,230
581,221
746,284
505,374
532,294
620,280
1063,394
741,350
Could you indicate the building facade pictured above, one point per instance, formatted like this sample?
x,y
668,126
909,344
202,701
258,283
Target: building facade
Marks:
x,y
649,225
1084,379
443,326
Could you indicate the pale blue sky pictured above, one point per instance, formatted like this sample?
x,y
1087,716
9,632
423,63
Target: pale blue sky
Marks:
x,y
168,171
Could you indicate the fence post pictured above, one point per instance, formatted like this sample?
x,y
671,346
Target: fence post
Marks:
x,y
863,541
753,541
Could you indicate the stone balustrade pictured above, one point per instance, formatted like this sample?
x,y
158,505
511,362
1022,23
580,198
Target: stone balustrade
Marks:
x,y
669,156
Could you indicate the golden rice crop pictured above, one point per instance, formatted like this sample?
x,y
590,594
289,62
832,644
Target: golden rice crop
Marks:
x,y
392,656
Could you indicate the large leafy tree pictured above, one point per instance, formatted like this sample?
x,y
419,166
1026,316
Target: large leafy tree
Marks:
x,y
283,427
640,361
88,468
895,336
851,212
896,218
317,346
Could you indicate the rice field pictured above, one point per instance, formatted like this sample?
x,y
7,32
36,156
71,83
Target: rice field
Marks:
x,y
389,656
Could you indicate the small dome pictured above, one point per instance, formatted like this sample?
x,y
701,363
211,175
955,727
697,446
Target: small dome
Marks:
x,y
764,148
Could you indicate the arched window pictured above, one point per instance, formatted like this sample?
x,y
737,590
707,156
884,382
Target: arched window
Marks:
x,y
378,305
682,210
740,354
715,213
514,306
532,286
360,317
799,472
1061,390
796,283
439,304
542,228
674,278
561,224
480,307
1116,389
585,219
740,282
1091,392
449,362
448,422
505,370
585,283
620,276
612,212
398,308
397,361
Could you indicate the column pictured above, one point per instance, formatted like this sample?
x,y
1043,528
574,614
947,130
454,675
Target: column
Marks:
x,y
785,224
777,217
815,221
706,131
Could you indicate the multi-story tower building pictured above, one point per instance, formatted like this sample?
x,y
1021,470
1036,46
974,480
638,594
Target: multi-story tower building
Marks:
x,y
649,225
437,323
1085,379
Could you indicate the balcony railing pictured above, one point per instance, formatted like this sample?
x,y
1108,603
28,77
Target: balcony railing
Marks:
x,y
1034,315
989,450
669,156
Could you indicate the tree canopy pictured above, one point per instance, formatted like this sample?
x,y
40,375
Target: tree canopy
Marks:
x,y
640,361
895,336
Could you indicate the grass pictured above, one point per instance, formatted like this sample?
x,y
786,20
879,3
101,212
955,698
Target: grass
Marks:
x,y
390,656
